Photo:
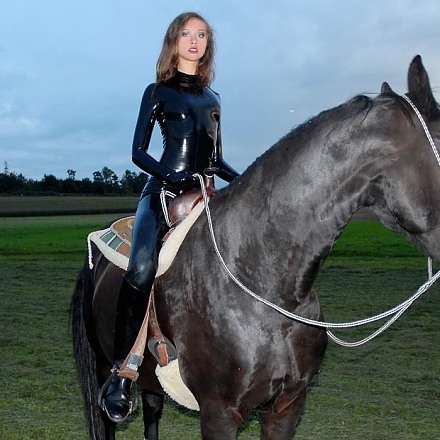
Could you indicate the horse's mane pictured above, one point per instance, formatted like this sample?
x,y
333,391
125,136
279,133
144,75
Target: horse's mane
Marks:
x,y
353,108
299,137
346,115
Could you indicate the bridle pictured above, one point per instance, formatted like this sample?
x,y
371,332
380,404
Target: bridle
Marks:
x,y
393,313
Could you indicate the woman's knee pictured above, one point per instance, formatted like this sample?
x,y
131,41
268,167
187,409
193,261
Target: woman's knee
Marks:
x,y
140,277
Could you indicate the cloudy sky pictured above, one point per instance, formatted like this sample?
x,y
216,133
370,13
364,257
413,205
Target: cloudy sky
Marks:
x,y
72,72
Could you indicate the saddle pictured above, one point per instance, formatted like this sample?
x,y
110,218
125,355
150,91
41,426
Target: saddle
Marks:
x,y
184,203
114,242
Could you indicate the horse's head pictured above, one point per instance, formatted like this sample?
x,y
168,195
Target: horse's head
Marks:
x,y
408,196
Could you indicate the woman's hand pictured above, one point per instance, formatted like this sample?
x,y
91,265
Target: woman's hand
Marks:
x,y
183,180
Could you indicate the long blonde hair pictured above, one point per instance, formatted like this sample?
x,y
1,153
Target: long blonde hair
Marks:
x,y
166,66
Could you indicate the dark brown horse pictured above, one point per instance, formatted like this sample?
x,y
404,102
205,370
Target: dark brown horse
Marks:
x,y
274,226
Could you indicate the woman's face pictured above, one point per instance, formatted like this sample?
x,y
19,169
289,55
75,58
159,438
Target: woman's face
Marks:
x,y
192,43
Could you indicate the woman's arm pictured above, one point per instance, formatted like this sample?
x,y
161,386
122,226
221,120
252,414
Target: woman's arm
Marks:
x,y
225,171
142,136
150,107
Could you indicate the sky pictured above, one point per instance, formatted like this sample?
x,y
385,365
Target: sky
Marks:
x,y
72,73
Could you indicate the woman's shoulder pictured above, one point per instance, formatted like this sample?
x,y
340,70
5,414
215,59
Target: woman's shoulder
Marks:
x,y
153,92
210,92
159,88
150,89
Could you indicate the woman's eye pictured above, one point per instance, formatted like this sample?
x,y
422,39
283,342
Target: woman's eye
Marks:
x,y
201,35
185,34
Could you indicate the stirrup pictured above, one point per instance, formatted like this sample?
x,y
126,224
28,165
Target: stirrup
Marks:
x,y
133,404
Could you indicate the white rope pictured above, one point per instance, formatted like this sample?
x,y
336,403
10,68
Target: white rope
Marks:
x,y
163,195
425,128
89,252
395,312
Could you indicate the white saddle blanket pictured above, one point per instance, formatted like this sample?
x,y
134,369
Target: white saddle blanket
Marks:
x,y
108,242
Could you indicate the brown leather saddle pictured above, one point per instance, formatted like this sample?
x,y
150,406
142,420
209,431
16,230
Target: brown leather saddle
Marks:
x,y
179,208
184,203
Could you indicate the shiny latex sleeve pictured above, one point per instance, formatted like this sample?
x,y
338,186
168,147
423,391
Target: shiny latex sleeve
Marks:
x,y
142,137
225,171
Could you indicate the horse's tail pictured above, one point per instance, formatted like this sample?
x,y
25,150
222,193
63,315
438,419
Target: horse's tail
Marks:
x,y
85,358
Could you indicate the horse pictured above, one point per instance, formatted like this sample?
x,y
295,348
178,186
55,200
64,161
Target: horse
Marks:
x,y
274,227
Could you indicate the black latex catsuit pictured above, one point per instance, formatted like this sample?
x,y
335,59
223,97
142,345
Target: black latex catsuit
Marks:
x,y
189,119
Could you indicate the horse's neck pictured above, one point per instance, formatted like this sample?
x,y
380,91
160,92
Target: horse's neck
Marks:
x,y
287,220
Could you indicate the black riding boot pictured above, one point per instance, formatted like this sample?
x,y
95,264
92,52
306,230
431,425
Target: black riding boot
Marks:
x,y
114,397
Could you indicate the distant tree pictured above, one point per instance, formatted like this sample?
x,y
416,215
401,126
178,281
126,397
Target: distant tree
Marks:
x,y
111,180
51,184
107,174
104,181
132,183
140,182
97,176
69,186
11,182
86,186
127,182
98,183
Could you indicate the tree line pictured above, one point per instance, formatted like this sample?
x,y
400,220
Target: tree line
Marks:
x,y
102,182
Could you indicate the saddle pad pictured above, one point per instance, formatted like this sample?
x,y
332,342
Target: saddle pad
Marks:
x,y
172,245
115,242
172,383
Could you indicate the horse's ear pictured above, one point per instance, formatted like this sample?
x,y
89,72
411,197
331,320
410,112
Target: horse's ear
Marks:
x,y
420,89
386,88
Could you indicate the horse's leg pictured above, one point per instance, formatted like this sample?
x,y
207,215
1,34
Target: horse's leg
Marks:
x,y
219,422
281,425
152,405
110,429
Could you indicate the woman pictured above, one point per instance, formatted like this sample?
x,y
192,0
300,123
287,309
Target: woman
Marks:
x,y
188,113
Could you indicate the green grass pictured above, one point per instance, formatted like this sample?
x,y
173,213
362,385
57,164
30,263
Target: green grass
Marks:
x,y
388,389
16,206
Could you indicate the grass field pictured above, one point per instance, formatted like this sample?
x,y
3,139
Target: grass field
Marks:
x,y
386,390
16,206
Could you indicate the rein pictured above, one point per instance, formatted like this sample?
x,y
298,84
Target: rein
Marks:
x,y
395,312
425,127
